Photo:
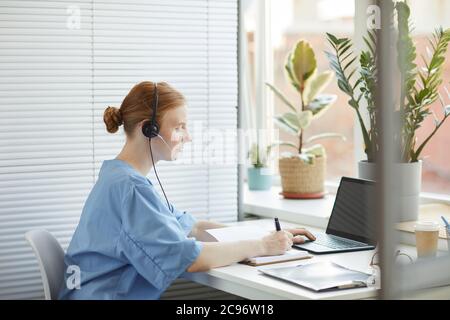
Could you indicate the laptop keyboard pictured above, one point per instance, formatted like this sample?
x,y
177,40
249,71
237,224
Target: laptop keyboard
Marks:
x,y
336,243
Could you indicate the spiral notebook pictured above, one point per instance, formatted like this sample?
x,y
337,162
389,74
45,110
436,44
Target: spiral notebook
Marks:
x,y
290,255
237,233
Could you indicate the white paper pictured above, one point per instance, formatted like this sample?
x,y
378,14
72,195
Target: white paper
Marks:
x,y
251,233
238,233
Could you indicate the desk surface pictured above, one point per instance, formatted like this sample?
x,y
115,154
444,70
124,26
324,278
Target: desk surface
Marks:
x,y
246,281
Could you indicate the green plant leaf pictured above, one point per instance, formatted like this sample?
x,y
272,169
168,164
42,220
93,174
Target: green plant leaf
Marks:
x,y
321,104
345,87
259,155
280,122
337,60
302,62
371,41
292,119
289,71
333,39
325,136
406,52
316,150
316,85
419,100
254,155
447,111
306,157
281,96
284,143
305,118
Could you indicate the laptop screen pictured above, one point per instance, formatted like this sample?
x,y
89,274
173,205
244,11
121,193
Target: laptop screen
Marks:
x,y
353,212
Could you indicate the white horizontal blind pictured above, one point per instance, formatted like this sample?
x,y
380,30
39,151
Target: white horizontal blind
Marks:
x,y
46,167
222,111
56,80
156,41
220,119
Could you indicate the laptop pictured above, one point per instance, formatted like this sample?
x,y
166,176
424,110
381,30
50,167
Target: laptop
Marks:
x,y
351,226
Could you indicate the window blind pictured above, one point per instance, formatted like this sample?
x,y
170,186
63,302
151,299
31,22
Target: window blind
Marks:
x,y
61,64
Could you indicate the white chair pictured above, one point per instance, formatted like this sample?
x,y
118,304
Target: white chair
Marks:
x,y
50,256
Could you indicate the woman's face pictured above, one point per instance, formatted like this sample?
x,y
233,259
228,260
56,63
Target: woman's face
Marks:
x,y
173,129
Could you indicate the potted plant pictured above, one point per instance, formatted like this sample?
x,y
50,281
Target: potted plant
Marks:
x,y
303,171
419,88
259,175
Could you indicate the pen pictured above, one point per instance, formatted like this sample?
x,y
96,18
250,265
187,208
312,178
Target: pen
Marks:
x,y
277,224
447,225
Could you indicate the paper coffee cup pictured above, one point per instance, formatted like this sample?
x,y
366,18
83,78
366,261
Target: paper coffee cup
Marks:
x,y
427,235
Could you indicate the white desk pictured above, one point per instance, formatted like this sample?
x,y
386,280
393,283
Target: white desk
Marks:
x,y
247,282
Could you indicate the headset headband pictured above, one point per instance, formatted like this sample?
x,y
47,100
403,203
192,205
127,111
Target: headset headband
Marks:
x,y
150,128
155,104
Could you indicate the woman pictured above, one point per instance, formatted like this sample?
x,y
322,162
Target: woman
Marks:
x,y
130,244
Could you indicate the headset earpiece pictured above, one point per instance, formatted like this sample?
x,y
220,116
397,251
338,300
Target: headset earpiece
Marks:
x,y
150,128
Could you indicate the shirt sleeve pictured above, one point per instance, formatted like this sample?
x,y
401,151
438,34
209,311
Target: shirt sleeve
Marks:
x,y
185,219
152,240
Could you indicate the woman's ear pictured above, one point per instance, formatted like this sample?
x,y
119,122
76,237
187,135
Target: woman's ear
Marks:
x,y
141,123
138,129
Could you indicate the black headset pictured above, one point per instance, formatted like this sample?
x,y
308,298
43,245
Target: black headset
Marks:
x,y
150,128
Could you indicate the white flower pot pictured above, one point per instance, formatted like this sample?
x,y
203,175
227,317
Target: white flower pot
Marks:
x,y
410,177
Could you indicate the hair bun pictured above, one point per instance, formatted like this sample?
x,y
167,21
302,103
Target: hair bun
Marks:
x,y
113,119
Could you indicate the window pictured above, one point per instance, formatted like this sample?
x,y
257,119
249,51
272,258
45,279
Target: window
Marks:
x,y
435,156
310,20
292,20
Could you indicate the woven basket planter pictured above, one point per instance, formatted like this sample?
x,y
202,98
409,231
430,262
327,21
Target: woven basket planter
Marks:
x,y
300,180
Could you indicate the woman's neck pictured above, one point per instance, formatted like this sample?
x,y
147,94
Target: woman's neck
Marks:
x,y
139,159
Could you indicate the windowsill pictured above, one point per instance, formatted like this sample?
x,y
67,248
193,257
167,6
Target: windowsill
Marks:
x,y
332,186
270,204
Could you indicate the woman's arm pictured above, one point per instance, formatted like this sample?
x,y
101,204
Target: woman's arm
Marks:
x,y
219,254
199,233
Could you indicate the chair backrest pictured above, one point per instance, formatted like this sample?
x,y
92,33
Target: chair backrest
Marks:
x,y
50,256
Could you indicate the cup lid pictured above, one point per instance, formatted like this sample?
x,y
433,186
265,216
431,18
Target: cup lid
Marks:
x,y
426,225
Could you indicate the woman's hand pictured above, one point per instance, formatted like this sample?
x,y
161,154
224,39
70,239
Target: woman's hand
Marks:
x,y
297,234
278,242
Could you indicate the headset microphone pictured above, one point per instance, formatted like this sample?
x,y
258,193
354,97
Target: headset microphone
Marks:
x,y
168,147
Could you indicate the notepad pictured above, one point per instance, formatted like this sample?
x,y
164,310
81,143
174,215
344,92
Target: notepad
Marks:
x,y
290,255
238,233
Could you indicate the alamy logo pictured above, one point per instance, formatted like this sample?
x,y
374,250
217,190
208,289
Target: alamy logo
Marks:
x,y
74,19
74,280
374,19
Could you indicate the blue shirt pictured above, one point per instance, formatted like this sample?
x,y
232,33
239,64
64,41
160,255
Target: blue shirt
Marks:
x,y
128,244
